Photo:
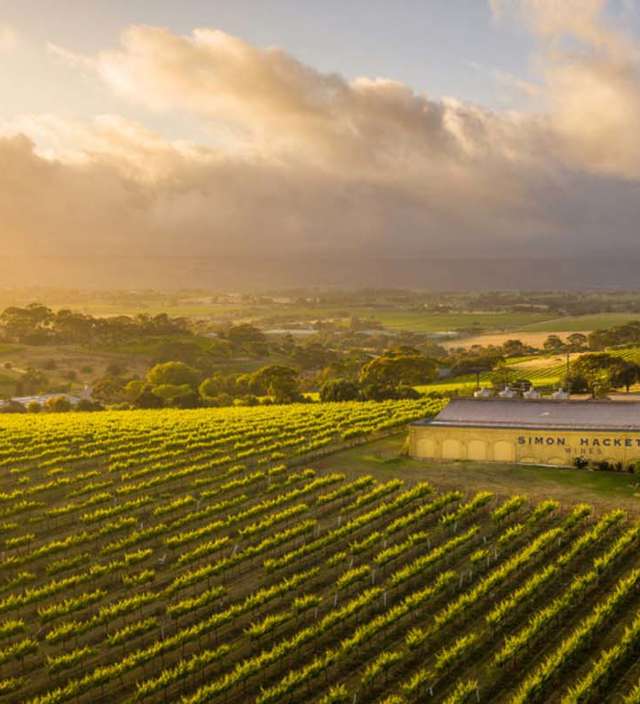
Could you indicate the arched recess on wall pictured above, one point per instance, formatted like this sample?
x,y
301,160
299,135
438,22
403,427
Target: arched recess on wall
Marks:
x,y
557,461
504,451
451,449
426,447
477,450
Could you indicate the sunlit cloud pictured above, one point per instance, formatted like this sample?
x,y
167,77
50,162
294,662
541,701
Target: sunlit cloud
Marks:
x,y
8,39
72,59
313,164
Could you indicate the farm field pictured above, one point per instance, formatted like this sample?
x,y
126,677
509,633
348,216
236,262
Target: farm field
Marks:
x,y
193,556
531,328
534,339
395,318
534,333
580,323
425,321
541,371
116,527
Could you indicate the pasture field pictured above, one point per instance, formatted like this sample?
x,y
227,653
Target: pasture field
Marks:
x,y
191,556
534,339
426,322
395,318
580,323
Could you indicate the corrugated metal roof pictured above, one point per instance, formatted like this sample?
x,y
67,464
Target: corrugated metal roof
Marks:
x,y
519,413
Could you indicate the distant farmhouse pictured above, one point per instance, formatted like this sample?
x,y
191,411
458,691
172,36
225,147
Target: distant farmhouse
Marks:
x,y
535,431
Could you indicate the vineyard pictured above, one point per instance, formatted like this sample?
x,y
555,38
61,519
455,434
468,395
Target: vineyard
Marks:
x,y
192,556
541,371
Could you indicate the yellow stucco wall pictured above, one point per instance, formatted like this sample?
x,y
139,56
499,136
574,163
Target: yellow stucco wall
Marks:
x,y
559,447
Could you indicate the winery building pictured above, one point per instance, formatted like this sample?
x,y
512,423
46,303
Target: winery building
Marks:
x,y
530,431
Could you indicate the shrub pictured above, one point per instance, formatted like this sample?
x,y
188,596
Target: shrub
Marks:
x,y
85,404
339,390
58,404
12,407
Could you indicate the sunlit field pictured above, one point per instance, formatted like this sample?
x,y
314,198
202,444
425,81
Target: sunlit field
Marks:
x,y
195,556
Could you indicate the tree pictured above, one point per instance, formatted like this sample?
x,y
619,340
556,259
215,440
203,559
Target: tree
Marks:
x,y
475,363
627,334
575,383
278,381
339,390
312,356
210,388
218,383
175,373
577,342
597,372
33,381
188,351
503,375
58,404
133,389
514,348
220,400
625,375
394,369
115,369
27,324
86,404
181,395
378,392
248,338
109,389
147,399
553,344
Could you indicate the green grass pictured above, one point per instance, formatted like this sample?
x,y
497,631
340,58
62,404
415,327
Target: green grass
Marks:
x,y
442,322
392,318
578,323
383,459
267,314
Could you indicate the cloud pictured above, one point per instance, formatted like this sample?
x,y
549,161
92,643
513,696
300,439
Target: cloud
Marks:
x,y
117,187
592,75
509,80
72,59
317,166
8,39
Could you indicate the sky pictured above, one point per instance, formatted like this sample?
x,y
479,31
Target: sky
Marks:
x,y
319,136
